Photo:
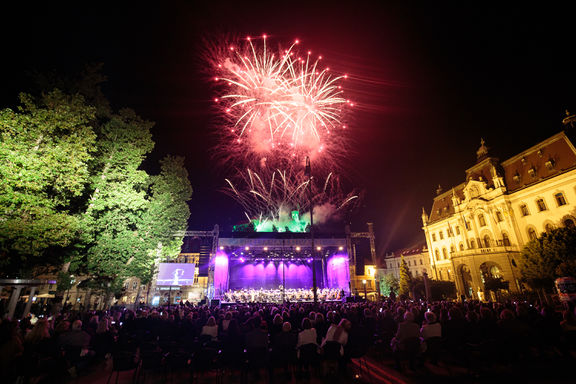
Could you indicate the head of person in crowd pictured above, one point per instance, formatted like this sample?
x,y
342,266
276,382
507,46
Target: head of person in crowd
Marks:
x,y
430,317
408,317
306,323
77,325
211,321
286,327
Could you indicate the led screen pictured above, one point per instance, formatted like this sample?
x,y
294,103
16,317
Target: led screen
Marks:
x,y
175,274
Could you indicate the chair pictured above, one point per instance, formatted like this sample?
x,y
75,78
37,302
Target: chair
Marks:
x,y
309,357
332,356
408,350
123,361
359,352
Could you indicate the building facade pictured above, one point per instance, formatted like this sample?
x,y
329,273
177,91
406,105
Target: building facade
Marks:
x,y
477,229
417,259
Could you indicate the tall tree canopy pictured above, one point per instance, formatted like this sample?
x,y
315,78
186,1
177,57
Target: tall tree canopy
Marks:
x,y
45,148
73,187
548,257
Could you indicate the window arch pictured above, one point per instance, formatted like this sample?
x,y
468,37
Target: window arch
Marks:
x,y
505,239
452,249
461,246
444,253
548,227
532,234
481,220
437,254
524,210
568,222
472,244
499,216
541,205
560,199
487,241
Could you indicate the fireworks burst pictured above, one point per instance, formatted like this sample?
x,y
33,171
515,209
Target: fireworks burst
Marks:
x,y
280,107
272,197
278,103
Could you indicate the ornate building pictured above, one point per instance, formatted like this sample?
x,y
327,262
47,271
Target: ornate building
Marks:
x,y
417,259
477,229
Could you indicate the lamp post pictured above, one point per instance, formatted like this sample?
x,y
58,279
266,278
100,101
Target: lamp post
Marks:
x,y
308,172
365,294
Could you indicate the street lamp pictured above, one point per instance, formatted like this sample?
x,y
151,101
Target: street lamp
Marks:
x,y
365,295
308,172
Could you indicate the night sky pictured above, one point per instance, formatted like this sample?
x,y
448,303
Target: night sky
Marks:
x,y
430,82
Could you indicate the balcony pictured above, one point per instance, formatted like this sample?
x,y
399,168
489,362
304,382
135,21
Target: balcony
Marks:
x,y
487,250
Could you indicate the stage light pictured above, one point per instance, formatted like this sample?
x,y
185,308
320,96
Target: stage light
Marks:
x,y
247,248
221,247
266,248
340,248
318,248
298,249
241,259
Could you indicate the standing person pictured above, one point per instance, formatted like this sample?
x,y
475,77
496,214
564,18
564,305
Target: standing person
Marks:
x,y
210,329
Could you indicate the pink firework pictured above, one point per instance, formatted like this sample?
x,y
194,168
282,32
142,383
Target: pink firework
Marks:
x,y
278,102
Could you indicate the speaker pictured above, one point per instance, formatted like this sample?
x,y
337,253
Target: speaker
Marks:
x,y
215,303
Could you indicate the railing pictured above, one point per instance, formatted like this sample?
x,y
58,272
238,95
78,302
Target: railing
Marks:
x,y
485,250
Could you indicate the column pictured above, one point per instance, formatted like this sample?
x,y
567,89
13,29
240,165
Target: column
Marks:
x,y
29,303
13,301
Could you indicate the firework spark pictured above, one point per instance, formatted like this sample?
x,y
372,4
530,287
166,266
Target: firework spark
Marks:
x,y
278,102
272,197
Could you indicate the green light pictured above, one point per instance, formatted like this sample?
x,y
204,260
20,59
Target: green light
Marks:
x,y
283,224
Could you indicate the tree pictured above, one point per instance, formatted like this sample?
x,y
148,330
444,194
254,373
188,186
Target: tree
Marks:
x,y
388,284
551,255
118,200
45,148
405,278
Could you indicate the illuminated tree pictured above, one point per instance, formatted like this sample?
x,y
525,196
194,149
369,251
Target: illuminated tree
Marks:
x,y
405,278
551,255
45,148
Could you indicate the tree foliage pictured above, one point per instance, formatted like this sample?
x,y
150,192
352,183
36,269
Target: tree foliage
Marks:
x,y
45,148
388,284
551,255
74,188
405,278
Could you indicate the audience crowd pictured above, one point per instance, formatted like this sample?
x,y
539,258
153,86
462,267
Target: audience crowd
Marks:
x,y
265,336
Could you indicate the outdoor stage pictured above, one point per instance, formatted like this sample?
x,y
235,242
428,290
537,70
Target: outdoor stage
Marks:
x,y
277,267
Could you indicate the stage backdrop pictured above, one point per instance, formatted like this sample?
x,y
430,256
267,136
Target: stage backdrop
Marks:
x,y
271,274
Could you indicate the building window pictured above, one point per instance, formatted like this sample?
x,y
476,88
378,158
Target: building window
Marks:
x,y
532,234
472,244
457,230
461,246
569,223
433,237
560,200
448,273
524,210
441,234
499,217
416,272
541,205
444,253
134,285
450,232
440,275
420,261
408,262
548,227
505,239
481,220
468,227
487,241
452,249
437,255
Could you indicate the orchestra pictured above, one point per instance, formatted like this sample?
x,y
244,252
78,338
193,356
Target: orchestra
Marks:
x,y
251,295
